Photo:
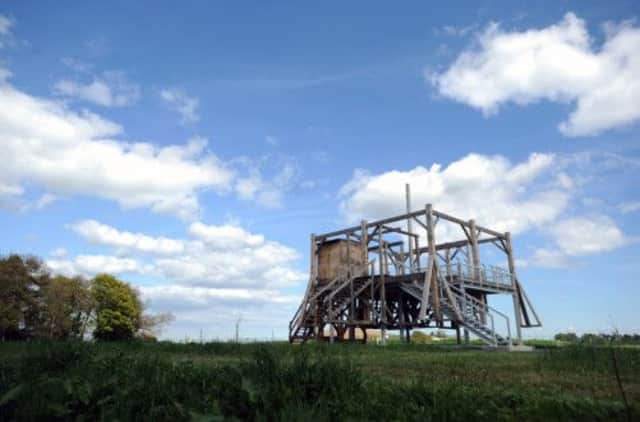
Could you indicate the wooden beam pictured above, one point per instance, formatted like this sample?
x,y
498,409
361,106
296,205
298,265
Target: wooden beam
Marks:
x,y
465,223
407,190
517,304
413,214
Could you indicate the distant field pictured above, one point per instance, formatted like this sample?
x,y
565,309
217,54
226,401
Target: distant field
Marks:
x,y
277,381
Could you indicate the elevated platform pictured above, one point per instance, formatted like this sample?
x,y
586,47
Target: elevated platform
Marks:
x,y
377,275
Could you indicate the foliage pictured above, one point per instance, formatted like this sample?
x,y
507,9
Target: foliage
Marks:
x,y
568,337
38,305
420,337
599,339
22,282
69,307
118,309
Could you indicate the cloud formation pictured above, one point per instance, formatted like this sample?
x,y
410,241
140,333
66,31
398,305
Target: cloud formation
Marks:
x,y
533,195
95,264
268,191
491,189
221,256
559,63
6,25
112,89
68,152
102,234
579,236
186,106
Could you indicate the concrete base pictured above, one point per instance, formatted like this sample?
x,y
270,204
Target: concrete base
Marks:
x,y
519,348
512,348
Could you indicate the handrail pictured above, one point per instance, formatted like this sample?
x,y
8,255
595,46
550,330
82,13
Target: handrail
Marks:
x,y
483,274
483,308
306,300
473,299
298,315
346,281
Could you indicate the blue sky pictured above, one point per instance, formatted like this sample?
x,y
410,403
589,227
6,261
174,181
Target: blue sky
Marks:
x,y
192,149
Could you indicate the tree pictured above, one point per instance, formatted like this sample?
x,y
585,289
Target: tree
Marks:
x,y
118,309
151,324
567,337
22,283
69,307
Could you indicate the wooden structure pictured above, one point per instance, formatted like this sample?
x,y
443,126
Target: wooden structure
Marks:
x,y
386,275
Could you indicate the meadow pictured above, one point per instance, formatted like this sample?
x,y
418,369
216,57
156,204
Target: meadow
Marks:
x,y
278,381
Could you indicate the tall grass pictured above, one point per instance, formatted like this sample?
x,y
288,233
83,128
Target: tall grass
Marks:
x,y
216,381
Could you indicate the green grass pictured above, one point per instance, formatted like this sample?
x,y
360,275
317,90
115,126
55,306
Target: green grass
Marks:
x,y
220,381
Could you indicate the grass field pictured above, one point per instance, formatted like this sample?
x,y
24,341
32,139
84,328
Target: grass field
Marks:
x,y
276,381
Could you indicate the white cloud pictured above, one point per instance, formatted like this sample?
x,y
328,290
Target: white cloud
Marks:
x,y
455,31
112,89
268,192
4,75
579,236
245,261
557,63
188,296
497,193
587,235
6,37
626,208
45,200
89,265
186,106
210,312
77,65
227,236
5,25
67,152
58,253
215,255
102,234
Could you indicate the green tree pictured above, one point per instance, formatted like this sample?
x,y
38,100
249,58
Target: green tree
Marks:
x,y
23,280
568,337
118,309
69,307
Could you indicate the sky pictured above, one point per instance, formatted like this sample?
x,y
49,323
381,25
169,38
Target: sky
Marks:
x,y
192,148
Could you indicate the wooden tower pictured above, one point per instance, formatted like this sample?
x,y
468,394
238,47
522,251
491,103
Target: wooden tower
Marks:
x,y
385,275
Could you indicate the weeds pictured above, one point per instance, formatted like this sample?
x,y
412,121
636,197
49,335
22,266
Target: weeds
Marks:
x,y
163,381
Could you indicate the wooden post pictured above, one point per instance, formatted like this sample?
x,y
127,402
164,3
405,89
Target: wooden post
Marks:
x,y
477,274
407,190
383,299
400,266
416,260
352,302
314,282
514,284
431,268
402,323
473,234
469,261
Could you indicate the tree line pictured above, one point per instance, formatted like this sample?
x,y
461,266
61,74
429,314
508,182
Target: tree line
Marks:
x,y
36,304
598,339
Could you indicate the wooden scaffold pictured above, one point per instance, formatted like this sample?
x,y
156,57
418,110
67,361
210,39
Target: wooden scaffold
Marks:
x,y
379,276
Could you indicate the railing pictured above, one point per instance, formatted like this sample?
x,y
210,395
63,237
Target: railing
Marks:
x,y
489,275
345,273
481,309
